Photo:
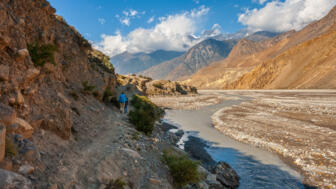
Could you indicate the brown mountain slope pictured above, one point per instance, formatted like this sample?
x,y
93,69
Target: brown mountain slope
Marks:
x,y
194,59
311,64
239,62
243,58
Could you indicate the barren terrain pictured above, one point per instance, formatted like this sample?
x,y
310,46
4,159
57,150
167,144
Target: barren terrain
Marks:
x,y
299,125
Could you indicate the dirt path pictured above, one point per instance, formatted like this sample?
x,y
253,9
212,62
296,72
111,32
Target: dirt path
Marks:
x,y
103,149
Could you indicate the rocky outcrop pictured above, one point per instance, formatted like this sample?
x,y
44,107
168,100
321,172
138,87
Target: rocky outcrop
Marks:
x,y
217,174
30,81
151,87
20,126
226,175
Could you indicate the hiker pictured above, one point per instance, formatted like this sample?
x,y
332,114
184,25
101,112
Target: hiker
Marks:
x,y
122,101
126,106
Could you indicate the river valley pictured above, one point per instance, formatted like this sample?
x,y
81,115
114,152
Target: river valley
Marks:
x,y
246,139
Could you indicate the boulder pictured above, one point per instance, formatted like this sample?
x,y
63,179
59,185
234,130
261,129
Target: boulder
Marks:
x,y
4,41
155,181
7,115
27,149
31,74
2,142
226,175
23,128
21,54
4,73
19,98
10,180
26,169
65,99
132,153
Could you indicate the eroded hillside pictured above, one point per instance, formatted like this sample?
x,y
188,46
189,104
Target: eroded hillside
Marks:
x,y
307,55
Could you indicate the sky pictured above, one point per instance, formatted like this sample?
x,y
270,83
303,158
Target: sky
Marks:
x,y
116,26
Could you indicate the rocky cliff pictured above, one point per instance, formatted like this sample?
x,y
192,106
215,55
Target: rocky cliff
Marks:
x,y
44,61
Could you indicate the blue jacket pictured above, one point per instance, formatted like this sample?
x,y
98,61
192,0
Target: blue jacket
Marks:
x,y
122,98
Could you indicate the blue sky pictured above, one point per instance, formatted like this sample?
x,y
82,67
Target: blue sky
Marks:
x,y
86,14
115,26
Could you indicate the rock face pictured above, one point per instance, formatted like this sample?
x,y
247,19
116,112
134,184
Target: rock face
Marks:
x,y
30,82
217,174
196,58
226,175
9,180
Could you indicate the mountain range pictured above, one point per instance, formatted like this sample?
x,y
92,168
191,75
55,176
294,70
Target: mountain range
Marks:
x,y
195,58
246,60
301,59
162,64
128,63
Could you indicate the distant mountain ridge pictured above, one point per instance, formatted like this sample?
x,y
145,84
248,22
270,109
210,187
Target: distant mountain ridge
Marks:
x,y
194,59
129,63
142,63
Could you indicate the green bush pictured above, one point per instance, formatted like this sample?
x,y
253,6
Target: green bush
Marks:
x,y
181,167
158,85
41,54
116,184
107,93
87,87
145,114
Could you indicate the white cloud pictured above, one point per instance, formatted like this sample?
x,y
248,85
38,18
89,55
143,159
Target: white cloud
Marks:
x,y
216,29
284,16
262,1
199,12
173,32
151,19
259,1
101,21
133,12
125,21
128,15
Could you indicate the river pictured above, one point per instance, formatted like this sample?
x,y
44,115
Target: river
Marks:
x,y
257,168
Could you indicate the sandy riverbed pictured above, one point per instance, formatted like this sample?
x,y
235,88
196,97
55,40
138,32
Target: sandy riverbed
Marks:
x,y
298,125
